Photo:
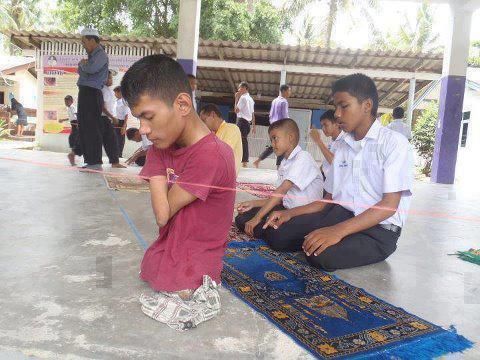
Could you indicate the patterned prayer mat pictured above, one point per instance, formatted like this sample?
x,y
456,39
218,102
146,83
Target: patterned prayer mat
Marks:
x,y
325,315
125,182
262,191
236,235
472,255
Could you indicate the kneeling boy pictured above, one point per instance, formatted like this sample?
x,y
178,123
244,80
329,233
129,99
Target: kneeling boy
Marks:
x,y
370,183
191,173
299,180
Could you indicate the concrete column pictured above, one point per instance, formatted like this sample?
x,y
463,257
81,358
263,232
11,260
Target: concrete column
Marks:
x,y
411,100
187,38
451,96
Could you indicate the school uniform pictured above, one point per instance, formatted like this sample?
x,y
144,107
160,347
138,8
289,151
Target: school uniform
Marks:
x,y
145,145
333,146
362,171
301,169
107,132
401,127
246,107
74,137
121,111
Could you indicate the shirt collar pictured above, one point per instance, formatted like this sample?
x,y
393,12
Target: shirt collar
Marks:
x,y
372,133
221,126
294,152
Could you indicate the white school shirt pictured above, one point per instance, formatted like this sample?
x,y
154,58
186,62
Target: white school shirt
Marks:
x,y
399,125
109,99
301,169
246,107
72,113
364,170
145,142
121,109
333,146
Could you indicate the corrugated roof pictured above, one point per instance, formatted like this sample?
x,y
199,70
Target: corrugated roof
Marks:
x,y
10,64
305,86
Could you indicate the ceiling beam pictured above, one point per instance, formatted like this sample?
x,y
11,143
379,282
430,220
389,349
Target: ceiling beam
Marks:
x,y
320,70
227,71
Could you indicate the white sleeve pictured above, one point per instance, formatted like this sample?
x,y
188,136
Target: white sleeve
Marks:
x,y
241,103
398,165
303,170
328,185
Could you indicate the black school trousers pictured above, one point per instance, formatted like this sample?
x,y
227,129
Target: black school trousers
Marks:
x,y
74,139
363,248
258,232
244,126
109,140
90,103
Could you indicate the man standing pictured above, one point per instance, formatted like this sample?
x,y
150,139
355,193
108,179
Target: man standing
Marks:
x,y
398,123
244,108
278,111
93,73
193,85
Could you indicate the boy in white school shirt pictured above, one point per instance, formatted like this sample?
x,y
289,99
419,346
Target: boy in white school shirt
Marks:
x,y
299,180
370,185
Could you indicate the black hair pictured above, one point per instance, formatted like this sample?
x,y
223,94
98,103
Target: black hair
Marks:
x,y
93,37
244,84
157,76
15,104
69,97
209,108
328,115
284,87
359,86
191,76
131,133
398,113
288,125
118,88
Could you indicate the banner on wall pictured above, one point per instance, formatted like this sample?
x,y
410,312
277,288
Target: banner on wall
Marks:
x,y
60,79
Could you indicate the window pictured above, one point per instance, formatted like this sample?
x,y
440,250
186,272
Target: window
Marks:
x,y
2,98
463,139
466,115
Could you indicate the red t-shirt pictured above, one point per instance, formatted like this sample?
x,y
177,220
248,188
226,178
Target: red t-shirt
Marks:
x,y
193,242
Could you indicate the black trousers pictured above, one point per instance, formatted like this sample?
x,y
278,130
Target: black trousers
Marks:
x,y
74,140
242,219
244,126
141,160
90,103
120,137
109,140
269,151
366,247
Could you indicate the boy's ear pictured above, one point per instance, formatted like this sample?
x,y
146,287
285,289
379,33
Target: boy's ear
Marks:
x,y
183,103
367,106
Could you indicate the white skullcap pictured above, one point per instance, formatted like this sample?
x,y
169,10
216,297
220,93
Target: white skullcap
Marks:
x,y
90,32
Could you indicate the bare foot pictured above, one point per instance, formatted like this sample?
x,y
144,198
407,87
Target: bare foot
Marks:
x,y
118,166
256,163
71,158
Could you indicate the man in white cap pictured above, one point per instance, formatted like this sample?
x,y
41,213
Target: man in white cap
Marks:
x,y
93,73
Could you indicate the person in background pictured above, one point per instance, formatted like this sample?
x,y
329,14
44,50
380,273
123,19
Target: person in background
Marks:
x,y
244,108
229,133
278,111
331,129
140,155
193,85
18,109
121,111
93,74
73,138
108,120
398,124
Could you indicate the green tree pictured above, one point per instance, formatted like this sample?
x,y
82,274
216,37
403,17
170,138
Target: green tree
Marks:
x,y
220,19
308,33
424,135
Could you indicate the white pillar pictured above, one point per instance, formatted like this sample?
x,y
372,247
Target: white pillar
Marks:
x,y
411,100
187,37
283,76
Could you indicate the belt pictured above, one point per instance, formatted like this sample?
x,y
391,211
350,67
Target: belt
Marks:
x,y
390,227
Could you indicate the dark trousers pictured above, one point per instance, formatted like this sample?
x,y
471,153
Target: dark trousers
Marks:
x,y
109,140
90,103
141,160
269,151
120,137
366,247
258,232
244,126
74,140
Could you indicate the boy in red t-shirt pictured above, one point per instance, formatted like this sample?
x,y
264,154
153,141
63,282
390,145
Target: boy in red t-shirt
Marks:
x,y
192,181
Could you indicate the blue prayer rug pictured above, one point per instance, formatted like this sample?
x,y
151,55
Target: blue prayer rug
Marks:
x,y
325,315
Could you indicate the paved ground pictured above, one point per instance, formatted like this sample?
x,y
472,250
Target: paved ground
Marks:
x,y
69,272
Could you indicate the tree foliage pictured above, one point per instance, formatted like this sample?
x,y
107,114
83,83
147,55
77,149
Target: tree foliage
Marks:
x,y
220,19
424,135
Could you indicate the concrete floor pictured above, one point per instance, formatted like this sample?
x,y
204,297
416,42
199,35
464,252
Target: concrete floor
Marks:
x,y
69,272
